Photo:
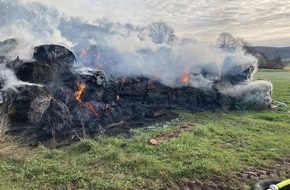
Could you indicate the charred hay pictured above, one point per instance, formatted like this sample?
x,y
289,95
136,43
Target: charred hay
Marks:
x,y
61,101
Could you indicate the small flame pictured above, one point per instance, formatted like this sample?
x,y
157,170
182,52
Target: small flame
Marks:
x,y
185,78
91,107
83,52
79,91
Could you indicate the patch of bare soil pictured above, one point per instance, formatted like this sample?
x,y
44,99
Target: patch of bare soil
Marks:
x,y
168,135
7,148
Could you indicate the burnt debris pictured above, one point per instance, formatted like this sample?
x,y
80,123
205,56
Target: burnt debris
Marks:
x,y
48,97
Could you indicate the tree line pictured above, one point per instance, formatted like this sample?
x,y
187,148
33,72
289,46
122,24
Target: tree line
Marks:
x,y
228,42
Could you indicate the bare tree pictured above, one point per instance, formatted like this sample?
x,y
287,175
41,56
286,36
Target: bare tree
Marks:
x,y
160,32
226,41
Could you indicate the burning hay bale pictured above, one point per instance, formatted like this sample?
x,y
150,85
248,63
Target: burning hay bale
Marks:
x,y
50,65
26,103
53,98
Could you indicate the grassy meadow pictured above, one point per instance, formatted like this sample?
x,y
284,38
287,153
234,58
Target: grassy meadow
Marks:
x,y
220,147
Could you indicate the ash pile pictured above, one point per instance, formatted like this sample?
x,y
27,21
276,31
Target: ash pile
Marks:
x,y
47,96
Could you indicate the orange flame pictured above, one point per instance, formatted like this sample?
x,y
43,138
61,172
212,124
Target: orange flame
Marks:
x,y
185,78
78,93
91,107
80,89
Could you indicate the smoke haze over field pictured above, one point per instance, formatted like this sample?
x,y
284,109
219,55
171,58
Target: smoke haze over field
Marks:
x,y
149,49
128,47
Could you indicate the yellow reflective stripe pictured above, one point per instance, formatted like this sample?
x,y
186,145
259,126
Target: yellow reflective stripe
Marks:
x,y
283,183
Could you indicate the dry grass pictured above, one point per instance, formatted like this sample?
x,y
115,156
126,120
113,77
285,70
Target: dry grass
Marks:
x,y
4,125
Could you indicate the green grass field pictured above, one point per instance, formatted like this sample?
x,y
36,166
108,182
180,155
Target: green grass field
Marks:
x,y
220,146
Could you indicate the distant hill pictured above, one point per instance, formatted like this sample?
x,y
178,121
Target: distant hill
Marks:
x,y
271,51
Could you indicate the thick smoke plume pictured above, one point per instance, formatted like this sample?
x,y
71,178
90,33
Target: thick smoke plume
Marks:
x,y
124,49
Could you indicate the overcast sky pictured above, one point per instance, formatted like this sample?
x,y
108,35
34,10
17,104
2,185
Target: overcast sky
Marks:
x,y
261,22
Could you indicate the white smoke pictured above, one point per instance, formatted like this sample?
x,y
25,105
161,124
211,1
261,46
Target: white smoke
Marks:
x,y
21,29
8,80
254,93
131,43
202,62
14,48
31,25
240,89
127,49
